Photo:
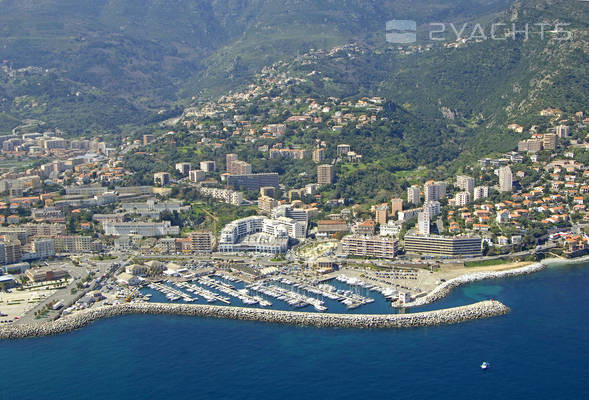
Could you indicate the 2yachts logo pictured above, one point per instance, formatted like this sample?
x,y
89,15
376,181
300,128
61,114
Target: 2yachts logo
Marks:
x,y
403,31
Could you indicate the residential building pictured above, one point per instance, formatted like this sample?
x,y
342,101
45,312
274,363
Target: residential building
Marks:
x,y
549,141
382,212
202,242
396,206
413,195
196,175
461,199
481,192
423,223
562,131
505,179
266,204
319,155
434,191
184,168
466,183
370,246
458,246
325,174
253,181
161,178
207,166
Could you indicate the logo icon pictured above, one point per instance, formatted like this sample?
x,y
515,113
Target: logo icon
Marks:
x,y
403,31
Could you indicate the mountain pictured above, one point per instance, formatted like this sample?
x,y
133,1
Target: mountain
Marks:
x,y
129,60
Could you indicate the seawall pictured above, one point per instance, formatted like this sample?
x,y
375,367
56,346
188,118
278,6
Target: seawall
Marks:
x,y
445,288
78,320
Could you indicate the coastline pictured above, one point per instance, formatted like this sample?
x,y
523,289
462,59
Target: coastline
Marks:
x,y
484,309
446,288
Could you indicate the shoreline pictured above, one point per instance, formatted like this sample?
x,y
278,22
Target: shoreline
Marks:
x,y
445,288
484,309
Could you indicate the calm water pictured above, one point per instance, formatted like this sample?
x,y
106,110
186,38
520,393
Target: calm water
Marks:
x,y
539,351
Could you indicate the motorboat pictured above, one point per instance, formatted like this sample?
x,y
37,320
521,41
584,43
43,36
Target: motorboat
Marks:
x,y
485,365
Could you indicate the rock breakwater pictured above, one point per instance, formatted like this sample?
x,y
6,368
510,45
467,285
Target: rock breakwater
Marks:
x,y
445,288
69,323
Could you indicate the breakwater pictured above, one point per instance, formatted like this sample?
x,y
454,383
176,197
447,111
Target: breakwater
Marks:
x,y
445,288
439,317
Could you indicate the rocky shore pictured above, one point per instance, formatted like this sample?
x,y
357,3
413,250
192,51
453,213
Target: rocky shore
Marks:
x,y
439,317
445,288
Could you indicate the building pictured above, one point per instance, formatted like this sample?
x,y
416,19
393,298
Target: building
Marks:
x,y
382,213
423,223
319,155
283,225
202,242
432,208
396,206
466,183
10,251
161,178
147,139
434,191
289,211
332,226
549,141
505,179
45,274
461,199
530,145
325,174
367,227
73,244
413,195
253,181
443,246
370,246
266,204
481,192
184,168
343,149
207,166
392,228
562,131
196,175
229,160
148,229
43,248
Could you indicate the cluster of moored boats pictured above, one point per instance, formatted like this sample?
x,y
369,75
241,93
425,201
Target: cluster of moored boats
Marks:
x,y
294,299
388,293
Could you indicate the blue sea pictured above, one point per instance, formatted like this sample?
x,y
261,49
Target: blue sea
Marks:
x,y
538,351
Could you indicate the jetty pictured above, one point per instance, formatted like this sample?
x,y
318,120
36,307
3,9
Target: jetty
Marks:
x,y
484,309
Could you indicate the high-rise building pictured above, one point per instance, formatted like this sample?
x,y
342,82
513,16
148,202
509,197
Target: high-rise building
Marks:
x,y
382,214
434,191
325,174
562,131
413,194
432,208
505,179
319,155
396,206
229,159
481,192
465,183
423,223
549,141
370,246
253,181
461,199
202,242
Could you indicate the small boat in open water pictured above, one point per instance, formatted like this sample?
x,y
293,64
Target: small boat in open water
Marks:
x,y
484,365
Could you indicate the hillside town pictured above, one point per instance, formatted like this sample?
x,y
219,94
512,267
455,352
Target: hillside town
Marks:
x,y
75,212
